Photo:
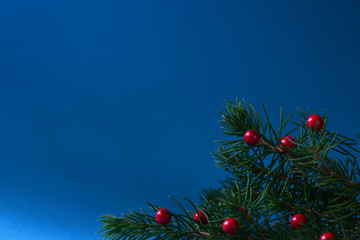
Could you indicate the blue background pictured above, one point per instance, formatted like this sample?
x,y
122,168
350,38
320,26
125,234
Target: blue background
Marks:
x,y
106,104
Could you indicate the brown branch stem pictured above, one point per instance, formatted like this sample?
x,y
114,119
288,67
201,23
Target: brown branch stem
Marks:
x,y
331,172
251,220
200,234
306,210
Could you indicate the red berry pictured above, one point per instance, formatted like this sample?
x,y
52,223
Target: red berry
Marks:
x,y
314,120
251,138
298,221
326,236
163,216
202,217
285,142
230,226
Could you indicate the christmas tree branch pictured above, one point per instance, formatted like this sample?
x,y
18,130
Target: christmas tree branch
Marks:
x,y
272,174
306,210
115,228
333,173
245,212
317,155
263,195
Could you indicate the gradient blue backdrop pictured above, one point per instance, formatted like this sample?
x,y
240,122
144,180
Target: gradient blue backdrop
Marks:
x,y
106,104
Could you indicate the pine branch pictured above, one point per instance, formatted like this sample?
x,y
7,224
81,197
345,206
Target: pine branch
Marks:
x,y
262,195
245,212
331,172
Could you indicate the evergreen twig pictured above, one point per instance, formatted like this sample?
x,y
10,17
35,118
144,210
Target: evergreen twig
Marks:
x,y
268,186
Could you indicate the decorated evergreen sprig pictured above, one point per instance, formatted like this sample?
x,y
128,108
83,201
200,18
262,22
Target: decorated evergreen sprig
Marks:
x,y
297,184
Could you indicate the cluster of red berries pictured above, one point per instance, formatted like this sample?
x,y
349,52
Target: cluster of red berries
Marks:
x,y
251,137
299,221
231,225
163,216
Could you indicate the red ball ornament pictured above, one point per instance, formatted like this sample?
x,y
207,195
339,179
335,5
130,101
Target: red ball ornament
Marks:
x,y
251,138
285,142
326,236
163,216
202,217
230,226
314,120
298,221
